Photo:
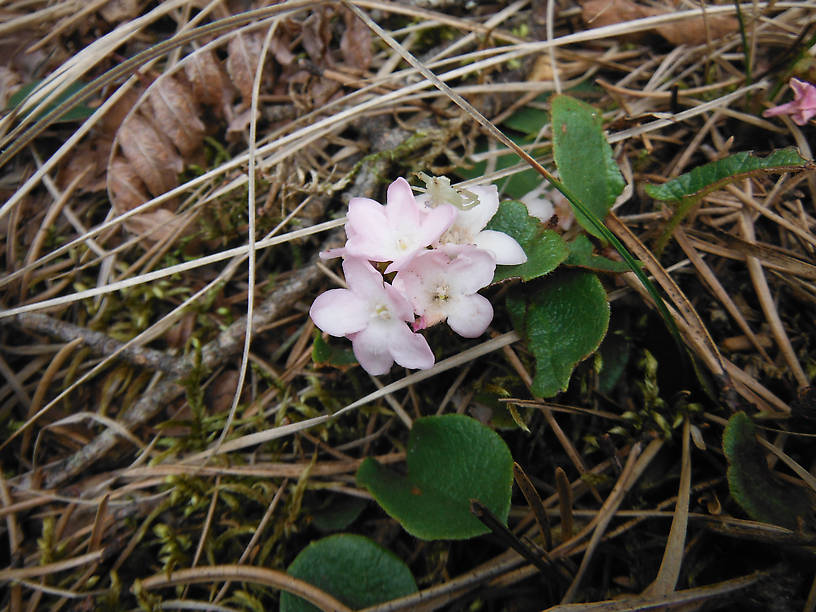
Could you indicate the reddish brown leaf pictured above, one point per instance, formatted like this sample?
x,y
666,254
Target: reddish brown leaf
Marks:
x,y
210,83
126,188
355,43
150,154
317,36
244,53
175,114
699,30
156,225
599,13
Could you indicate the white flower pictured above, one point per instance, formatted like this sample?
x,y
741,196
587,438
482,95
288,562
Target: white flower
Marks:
x,y
471,219
441,284
374,316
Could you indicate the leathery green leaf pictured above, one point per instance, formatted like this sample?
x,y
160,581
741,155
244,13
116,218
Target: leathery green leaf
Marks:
x,y
353,569
753,486
705,179
451,459
584,159
545,249
564,321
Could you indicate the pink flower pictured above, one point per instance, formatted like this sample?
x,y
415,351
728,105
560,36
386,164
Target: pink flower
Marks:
x,y
471,219
803,106
441,284
394,232
373,315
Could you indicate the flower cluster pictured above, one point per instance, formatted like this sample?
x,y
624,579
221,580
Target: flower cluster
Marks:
x,y
803,106
441,255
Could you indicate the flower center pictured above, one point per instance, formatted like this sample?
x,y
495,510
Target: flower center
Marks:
x,y
441,293
381,312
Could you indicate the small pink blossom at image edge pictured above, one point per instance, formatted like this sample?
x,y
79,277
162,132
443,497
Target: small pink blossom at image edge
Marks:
x,y
803,105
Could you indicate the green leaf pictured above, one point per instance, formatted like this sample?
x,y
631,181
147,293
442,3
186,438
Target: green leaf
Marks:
x,y
340,512
451,459
353,569
77,113
710,177
754,487
324,353
529,120
545,249
584,158
564,322
581,256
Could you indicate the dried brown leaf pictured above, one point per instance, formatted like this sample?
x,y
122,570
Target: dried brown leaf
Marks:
x,y
355,44
243,55
89,158
221,391
599,13
239,124
208,79
156,225
175,114
126,188
317,36
150,154
698,31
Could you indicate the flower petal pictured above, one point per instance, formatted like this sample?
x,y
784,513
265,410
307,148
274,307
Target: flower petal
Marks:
x,y
363,278
504,248
371,350
368,230
411,350
401,206
339,312
470,315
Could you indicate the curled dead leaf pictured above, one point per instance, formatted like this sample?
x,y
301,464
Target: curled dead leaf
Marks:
x,y
126,188
243,55
209,81
157,225
355,44
317,35
599,13
150,154
175,113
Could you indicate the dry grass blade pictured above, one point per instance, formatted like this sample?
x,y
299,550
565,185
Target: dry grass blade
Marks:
x,y
245,573
693,597
636,463
669,571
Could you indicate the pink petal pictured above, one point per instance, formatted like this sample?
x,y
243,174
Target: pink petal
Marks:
x,y
362,278
411,350
368,230
470,316
504,248
400,306
401,206
339,312
469,268
371,350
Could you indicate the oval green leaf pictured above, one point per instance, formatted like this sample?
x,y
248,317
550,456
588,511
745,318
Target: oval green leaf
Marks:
x,y
584,159
544,248
451,459
563,322
753,485
353,569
